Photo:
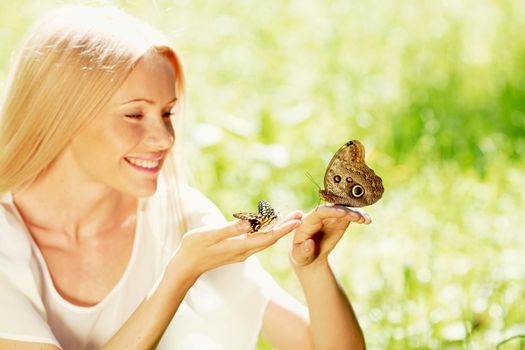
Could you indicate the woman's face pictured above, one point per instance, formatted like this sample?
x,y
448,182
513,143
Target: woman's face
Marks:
x,y
125,146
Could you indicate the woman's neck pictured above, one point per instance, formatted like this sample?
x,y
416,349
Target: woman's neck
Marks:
x,y
60,202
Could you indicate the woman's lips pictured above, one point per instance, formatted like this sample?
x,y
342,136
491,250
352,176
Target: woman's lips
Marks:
x,y
143,164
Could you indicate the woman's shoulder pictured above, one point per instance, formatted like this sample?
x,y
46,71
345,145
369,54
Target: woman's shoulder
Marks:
x,y
14,241
198,209
6,203
17,277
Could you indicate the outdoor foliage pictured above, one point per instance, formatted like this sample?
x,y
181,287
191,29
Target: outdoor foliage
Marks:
x,y
436,92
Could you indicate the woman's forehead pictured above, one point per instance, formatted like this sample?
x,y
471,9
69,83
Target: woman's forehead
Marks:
x,y
152,78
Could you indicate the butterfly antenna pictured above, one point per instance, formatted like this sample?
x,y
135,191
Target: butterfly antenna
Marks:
x,y
315,183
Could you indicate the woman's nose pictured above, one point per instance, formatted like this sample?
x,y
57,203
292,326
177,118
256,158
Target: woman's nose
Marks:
x,y
160,135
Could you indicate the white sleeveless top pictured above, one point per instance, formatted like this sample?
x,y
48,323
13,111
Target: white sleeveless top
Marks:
x,y
223,310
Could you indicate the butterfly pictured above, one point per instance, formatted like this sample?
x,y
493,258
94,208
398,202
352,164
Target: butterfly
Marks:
x,y
260,220
348,180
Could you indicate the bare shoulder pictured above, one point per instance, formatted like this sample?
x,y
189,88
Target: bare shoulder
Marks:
x,y
22,345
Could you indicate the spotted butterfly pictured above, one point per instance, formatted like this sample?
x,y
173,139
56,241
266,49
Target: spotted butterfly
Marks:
x,y
260,220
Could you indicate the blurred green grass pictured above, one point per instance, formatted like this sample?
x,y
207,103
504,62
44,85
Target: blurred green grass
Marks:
x,y
436,92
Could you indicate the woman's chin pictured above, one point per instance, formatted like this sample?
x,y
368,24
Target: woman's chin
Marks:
x,y
144,191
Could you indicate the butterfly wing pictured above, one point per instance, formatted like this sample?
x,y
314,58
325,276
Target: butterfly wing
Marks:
x,y
255,220
268,214
265,209
348,180
245,216
260,220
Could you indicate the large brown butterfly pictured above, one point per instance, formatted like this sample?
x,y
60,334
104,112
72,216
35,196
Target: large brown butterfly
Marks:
x,y
348,180
259,220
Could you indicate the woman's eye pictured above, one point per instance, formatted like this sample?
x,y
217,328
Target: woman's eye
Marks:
x,y
165,115
133,116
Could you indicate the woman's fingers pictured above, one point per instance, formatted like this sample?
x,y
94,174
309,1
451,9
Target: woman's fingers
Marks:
x,y
210,247
272,236
259,241
229,230
337,211
357,215
329,218
232,242
239,227
294,215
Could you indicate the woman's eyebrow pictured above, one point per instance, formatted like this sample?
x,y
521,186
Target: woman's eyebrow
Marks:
x,y
147,100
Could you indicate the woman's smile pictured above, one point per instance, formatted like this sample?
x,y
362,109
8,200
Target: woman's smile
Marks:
x,y
143,164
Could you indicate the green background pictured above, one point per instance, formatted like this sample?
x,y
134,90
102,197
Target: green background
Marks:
x,y
436,92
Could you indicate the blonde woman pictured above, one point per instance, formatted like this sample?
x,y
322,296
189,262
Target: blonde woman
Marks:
x,y
102,246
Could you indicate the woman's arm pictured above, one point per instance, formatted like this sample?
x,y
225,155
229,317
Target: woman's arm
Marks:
x,y
330,322
148,322
333,321
201,250
287,325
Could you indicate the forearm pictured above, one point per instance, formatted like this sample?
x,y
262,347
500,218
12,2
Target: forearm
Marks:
x,y
333,321
145,327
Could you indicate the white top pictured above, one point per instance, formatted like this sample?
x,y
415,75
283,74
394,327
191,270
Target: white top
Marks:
x,y
223,310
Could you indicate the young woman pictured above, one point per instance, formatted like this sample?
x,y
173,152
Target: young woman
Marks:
x,y
102,245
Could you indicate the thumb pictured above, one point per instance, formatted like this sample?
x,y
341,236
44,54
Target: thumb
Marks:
x,y
303,253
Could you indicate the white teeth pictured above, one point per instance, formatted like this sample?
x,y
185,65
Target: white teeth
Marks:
x,y
150,164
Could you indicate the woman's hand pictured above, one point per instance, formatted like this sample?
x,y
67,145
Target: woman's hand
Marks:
x,y
320,231
206,248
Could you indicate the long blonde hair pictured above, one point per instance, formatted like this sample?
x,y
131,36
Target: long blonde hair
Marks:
x,y
72,62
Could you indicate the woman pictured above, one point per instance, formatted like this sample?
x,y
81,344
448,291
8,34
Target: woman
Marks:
x,y
101,243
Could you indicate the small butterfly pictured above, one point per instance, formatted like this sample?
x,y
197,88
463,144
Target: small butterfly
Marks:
x,y
260,220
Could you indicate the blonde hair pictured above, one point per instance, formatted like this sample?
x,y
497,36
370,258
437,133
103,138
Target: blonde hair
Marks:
x,y
73,60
